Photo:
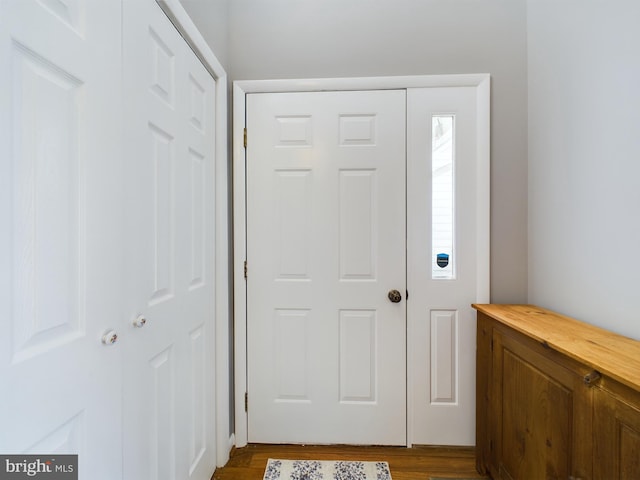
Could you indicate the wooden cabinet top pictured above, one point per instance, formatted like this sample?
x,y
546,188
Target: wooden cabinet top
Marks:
x,y
610,354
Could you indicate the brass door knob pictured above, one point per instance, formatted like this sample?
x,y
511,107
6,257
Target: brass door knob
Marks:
x,y
394,296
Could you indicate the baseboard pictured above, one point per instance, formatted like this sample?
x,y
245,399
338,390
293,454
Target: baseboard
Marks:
x,y
231,445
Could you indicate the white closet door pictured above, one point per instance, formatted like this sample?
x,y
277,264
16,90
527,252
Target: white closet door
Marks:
x,y
169,430
326,243
60,240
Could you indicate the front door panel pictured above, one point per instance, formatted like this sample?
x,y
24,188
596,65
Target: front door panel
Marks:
x,y
326,243
442,272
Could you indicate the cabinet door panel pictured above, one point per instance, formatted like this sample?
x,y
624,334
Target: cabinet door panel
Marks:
x,y
536,421
616,438
542,412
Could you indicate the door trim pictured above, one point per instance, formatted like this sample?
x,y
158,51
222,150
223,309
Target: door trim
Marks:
x,y
187,29
240,89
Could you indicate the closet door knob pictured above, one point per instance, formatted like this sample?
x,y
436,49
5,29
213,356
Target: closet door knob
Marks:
x,y
110,337
139,321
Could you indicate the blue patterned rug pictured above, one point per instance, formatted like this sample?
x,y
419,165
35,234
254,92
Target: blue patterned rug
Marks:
x,y
323,470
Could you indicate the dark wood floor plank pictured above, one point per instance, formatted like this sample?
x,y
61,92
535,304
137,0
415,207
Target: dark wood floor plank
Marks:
x,y
418,463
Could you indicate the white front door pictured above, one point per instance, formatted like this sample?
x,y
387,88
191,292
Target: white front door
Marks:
x,y
443,220
317,223
169,429
60,240
326,243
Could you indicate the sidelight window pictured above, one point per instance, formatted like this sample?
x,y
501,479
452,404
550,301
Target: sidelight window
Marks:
x,y
442,197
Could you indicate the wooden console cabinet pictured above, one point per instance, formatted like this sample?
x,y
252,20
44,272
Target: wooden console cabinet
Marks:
x,y
556,398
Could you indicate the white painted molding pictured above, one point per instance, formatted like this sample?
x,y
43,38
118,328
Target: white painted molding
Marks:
x,y
240,89
240,255
231,442
360,83
483,200
181,20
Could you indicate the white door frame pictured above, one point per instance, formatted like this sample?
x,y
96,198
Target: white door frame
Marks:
x,y
240,89
183,23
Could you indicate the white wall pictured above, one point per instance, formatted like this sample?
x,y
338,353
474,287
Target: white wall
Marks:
x,y
584,160
335,38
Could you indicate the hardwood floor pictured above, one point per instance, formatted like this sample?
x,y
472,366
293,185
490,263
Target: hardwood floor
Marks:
x,y
418,463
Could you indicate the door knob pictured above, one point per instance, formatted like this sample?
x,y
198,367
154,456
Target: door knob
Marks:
x,y
394,296
139,321
110,337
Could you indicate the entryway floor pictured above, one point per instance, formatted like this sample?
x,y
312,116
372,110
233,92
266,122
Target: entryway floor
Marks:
x,y
417,463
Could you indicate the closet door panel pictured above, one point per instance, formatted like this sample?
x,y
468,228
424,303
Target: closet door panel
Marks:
x,y
60,241
169,153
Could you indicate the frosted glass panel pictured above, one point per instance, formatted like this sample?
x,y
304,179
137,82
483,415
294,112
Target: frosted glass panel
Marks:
x,y
442,204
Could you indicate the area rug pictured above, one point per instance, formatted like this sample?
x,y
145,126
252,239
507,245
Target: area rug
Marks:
x,y
453,478
325,470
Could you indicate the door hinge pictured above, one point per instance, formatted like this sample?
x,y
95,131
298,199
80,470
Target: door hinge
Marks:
x,y
245,138
246,401
245,269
